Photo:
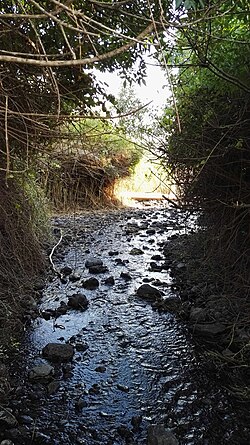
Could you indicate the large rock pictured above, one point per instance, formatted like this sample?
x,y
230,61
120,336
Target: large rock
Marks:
x,y
90,284
41,372
159,435
78,301
58,352
149,292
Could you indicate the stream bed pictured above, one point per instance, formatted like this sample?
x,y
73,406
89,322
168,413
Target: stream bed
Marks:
x,y
134,365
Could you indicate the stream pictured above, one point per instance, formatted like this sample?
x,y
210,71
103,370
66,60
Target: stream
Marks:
x,y
133,366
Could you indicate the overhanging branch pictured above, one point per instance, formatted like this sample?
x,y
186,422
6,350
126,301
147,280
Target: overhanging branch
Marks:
x,y
77,62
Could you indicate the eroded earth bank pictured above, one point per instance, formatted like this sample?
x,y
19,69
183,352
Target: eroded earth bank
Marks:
x,y
109,360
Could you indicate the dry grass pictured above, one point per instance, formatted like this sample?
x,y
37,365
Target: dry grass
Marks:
x,y
21,258
80,182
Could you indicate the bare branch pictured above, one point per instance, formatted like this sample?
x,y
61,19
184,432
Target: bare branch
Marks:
x,y
77,62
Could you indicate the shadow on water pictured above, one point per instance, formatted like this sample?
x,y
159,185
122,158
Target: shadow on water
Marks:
x,y
133,365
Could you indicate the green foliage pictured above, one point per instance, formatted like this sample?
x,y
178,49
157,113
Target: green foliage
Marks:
x,y
132,113
38,203
211,153
101,140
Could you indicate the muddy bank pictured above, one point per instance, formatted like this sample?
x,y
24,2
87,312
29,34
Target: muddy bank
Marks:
x,y
109,360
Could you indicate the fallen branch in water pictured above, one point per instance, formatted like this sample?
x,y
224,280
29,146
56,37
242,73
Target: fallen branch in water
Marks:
x,y
174,204
52,253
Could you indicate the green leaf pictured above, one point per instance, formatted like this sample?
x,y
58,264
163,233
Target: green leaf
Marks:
x,y
178,3
239,144
189,4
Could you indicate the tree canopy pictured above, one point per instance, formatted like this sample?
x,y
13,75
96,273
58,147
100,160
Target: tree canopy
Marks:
x,y
47,48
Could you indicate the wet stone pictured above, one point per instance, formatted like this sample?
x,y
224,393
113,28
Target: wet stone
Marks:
x,y
131,230
171,303
78,301
159,435
47,314
42,439
155,267
124,432
80,404
101,369
113,253
136,422
90,284
126,276
26,420
67,371
95,389
41,372
110,281
91,262
62,309
149,292
156,257
53,387
98,269
122,388
73,278
136,251
105,415
66,270
81,347
150,231
58,352
120,262
35,396
29,303
180,266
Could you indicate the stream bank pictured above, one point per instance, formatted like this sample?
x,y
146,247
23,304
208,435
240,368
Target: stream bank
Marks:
x,y
125,368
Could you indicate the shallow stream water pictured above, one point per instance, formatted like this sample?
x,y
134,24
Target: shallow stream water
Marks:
x,y
134,365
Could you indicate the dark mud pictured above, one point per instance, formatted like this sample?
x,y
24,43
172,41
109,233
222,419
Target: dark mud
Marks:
x,y
134,365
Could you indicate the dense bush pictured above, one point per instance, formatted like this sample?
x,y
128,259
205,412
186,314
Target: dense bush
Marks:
x,y
210,152
81,171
